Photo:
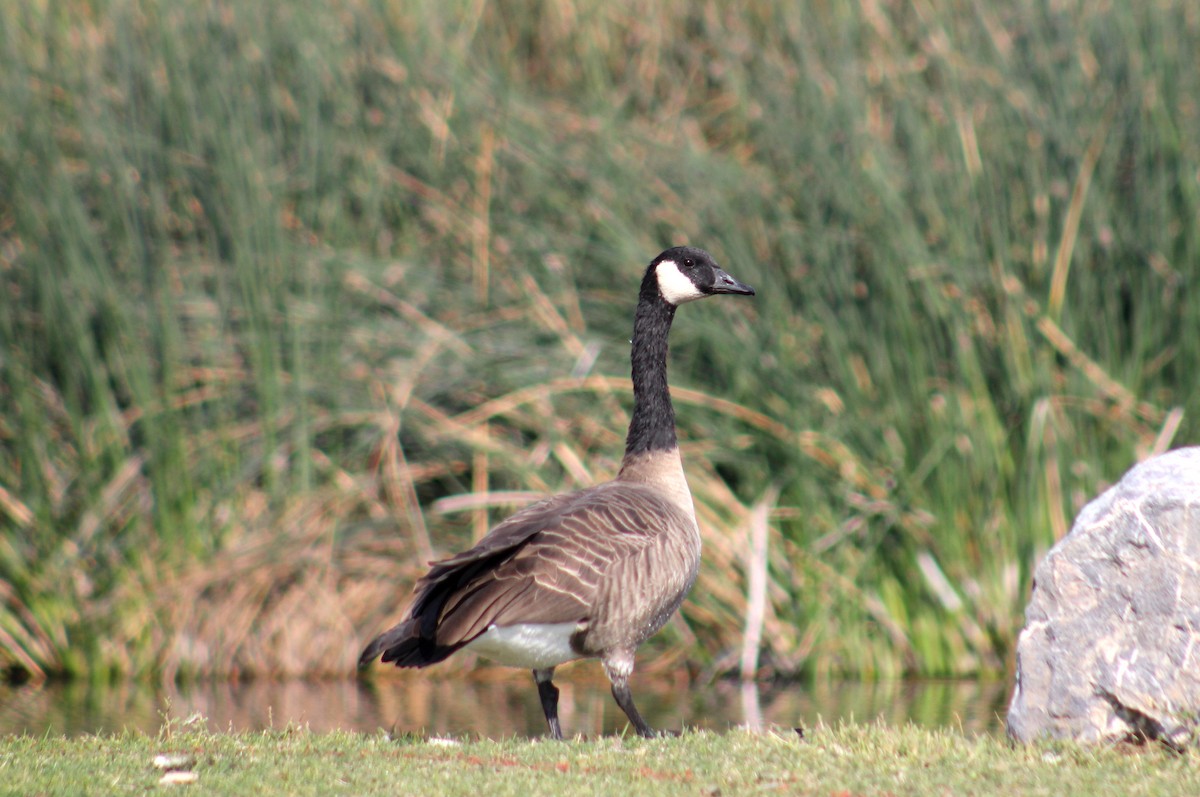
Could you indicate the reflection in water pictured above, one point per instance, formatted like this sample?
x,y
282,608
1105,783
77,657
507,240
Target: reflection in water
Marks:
x,y
494,704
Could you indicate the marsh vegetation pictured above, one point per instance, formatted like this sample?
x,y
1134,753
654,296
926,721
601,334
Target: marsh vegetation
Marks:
x,y
295,296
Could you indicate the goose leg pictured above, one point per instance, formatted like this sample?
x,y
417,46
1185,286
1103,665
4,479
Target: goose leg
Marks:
x,y
548,692
618,668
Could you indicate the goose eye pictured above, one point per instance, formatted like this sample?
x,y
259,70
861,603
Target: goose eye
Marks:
x,y
689,263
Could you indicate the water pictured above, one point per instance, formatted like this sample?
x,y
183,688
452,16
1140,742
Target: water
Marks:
x,y
494,704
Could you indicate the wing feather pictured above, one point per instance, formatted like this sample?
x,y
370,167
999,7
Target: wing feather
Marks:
x,y
545,564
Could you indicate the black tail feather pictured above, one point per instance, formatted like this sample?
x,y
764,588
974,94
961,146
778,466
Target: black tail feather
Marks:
x,y
404,646
413,643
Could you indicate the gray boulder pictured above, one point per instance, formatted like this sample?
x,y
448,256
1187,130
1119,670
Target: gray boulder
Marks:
x,y
1111,645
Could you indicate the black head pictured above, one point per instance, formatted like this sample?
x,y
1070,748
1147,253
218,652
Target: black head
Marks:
x,y
685,273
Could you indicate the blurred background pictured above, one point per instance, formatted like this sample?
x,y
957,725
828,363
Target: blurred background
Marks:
x,y
295,297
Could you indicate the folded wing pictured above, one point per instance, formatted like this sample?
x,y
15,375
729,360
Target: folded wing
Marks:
x,y
545,564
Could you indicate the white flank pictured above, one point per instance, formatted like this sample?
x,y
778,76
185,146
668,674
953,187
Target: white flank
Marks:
x,y
529,645
675,287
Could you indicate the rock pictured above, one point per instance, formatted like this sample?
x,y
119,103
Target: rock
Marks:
x,y
170,761
1111,645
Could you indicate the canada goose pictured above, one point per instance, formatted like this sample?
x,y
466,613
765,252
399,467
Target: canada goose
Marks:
x,y
587,574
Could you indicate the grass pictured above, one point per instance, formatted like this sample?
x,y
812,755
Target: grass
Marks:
x,y
294,297
849,760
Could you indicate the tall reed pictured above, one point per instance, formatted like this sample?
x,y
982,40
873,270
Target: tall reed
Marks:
x,y
294,297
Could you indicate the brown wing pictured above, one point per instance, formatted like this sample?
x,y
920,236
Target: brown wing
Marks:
x,y
554,574
545,564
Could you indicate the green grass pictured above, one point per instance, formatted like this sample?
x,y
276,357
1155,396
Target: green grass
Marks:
x,y
849,760
278,282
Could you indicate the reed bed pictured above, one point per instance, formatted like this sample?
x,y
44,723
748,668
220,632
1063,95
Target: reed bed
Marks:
x,y
295,297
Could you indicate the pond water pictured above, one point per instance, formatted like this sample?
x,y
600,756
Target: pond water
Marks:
x,y
494,704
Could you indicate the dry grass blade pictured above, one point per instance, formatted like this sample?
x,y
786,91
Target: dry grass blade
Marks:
x,y
1170,426
286,606
15,509
1066,244
756,583
26,643
467,502
481,239
1125,400
834,455
431,328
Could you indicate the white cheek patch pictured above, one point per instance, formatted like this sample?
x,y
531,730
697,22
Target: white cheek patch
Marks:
x,y
674,286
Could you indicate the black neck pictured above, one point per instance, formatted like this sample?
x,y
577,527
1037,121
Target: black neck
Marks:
x,y
652,427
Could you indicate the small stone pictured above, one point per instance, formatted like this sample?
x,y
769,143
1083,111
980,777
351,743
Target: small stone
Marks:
x,y
174,761
178,778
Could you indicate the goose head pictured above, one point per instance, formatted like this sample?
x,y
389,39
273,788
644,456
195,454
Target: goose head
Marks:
x,y
685,273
